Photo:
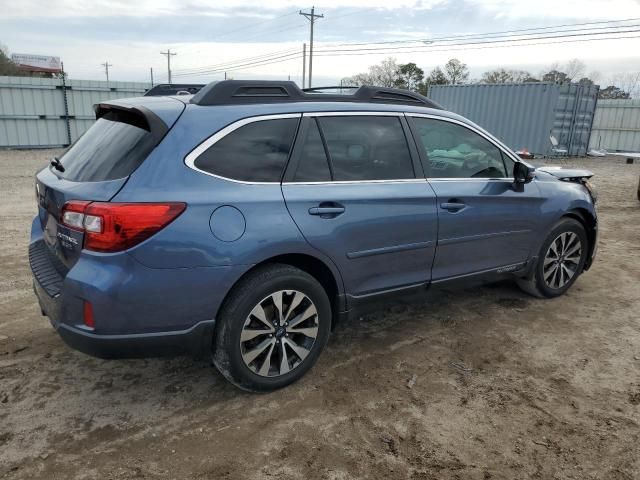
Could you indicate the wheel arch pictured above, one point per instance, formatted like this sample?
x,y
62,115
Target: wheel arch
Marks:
x,y
590,224
315,267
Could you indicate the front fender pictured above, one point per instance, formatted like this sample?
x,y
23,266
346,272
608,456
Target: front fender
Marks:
x,y
564,199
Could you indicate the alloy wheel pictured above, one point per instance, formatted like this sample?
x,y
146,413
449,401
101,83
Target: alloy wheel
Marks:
x,y
562,260
279,333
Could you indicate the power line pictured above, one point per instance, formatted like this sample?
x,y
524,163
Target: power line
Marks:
x,y
462,46
282,58
231,64
449,49
255,24
470,35
399,49
358,11
240,29
287,28
241,67
535,31
501,39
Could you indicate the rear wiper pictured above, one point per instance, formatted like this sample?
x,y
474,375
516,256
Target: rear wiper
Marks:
x,y
55,163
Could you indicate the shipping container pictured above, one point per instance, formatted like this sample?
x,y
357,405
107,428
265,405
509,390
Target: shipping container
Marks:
x,y
525,115
616,126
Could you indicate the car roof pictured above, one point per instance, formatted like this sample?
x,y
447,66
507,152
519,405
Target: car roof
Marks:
x,y
242,92
255,109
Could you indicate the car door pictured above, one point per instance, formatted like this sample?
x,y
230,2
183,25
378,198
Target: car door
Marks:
x,y
352,189
484,222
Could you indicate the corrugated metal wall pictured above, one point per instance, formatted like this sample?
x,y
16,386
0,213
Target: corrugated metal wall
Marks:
x,y
524,115
616,126
32,110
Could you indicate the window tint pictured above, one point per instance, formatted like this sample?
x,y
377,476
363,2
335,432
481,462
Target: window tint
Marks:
x,y
367,148
112,148
256,152
313,165
454,151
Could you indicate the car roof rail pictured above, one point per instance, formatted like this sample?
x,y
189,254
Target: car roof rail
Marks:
x,y
239,92
166,89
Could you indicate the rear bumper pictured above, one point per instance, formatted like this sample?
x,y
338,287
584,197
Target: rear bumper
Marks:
x,y
192,341
195,341
138,311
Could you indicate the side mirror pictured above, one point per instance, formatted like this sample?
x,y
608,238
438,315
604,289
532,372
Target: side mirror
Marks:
x,y
522,173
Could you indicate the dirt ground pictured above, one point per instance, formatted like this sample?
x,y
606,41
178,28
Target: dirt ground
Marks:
x,y
484,383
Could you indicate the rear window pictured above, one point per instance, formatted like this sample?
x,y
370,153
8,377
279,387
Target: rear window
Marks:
x,y
112,148
257,152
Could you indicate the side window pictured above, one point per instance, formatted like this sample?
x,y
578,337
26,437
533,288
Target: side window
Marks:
x,y
454,151
313,165
508,164
256,152
367,148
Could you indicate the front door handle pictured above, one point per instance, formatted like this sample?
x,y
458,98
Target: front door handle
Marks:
x,y
327,210
452,206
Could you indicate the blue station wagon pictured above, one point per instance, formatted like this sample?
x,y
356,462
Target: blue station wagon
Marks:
x,y
246,220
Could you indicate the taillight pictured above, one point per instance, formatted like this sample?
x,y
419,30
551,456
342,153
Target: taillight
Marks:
x,y
112,227
73,214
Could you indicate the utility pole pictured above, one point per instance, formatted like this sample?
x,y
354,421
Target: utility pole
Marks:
x,y
151,71
169,55
311,16
106,66
304,64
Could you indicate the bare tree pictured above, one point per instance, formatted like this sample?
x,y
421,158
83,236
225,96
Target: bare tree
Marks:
x,y
500,75
456,71
595,76
384,74
627,82
555,76
356,80
574,69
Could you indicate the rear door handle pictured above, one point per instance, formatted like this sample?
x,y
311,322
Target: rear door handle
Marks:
x,y
327,210
452,206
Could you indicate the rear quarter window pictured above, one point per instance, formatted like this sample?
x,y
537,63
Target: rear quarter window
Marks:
x,y
256,152
114,147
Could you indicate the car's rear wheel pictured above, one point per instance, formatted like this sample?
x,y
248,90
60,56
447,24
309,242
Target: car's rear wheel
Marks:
x,y
272,328
560,261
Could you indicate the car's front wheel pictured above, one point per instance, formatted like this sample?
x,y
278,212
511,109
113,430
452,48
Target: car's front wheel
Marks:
x,y
560,261
272,328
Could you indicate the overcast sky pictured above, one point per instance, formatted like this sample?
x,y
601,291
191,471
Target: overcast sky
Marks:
x,y
130,34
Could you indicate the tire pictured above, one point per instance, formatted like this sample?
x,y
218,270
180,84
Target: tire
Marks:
x,y
553,275
248,347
